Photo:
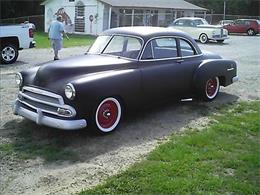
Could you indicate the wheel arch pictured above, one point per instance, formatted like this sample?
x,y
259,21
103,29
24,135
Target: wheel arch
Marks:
x,y
10,40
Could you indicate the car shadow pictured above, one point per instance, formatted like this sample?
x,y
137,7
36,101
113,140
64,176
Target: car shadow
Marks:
x,y
155,122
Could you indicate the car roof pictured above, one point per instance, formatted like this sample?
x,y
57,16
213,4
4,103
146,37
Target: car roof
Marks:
x,y
148,32
247,19
190,18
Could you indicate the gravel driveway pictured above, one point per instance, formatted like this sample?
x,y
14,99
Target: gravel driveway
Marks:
x,y
103,156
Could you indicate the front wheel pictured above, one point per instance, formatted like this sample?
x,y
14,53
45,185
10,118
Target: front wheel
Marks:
x,y
108,114
210,89
9,54
203,38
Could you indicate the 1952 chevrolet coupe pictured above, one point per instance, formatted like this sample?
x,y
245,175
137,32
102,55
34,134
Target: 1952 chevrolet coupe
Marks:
x,y
124,68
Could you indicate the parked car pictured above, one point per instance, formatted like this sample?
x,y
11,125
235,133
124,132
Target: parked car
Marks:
x,y
199,29
14,38
124,69
225,22
249,26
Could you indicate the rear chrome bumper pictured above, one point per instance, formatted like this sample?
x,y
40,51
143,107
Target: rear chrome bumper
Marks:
x,y
40,119
235,79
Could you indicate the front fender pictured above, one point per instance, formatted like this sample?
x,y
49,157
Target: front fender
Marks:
x,y
92,88
224,69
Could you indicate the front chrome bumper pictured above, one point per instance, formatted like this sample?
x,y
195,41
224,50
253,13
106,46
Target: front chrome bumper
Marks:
x,y
235,79
40,119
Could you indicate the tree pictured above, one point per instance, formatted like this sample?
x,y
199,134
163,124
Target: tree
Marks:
x,y
18,8
233,7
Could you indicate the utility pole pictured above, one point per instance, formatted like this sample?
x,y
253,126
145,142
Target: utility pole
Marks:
x,y
224,16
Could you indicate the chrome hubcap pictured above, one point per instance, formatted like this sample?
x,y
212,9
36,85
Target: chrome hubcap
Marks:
x,y
8,53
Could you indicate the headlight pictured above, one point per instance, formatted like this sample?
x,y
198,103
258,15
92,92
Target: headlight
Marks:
x,y
70,91
18,79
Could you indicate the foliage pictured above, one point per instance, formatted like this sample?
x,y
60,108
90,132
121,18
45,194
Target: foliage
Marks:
x,y
233,7
221,159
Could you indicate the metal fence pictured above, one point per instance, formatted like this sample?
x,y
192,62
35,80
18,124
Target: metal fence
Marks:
x,y
215,18
37,20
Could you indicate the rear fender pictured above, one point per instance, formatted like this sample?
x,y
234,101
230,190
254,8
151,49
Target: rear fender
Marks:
x,y
224,69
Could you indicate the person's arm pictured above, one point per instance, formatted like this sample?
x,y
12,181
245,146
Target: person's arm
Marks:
x,y
63,32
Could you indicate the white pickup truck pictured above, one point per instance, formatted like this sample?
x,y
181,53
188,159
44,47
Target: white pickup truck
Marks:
x,y
14,38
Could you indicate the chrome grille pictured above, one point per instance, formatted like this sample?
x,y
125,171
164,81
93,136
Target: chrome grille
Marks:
x,y
46,101
41,97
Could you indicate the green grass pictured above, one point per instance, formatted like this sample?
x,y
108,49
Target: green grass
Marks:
x,y
75,40
25,146
223,158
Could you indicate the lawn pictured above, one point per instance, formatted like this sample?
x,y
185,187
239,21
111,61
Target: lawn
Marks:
x,y
223,158
42,41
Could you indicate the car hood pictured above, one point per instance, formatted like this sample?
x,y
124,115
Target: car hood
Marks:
x,y
65,70
209,26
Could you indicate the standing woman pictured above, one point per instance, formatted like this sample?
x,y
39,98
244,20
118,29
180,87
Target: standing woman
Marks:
x,y
56,32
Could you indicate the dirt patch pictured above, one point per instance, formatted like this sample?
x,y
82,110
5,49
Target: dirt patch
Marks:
x,y
93,158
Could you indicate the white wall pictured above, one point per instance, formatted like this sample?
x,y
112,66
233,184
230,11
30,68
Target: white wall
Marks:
x,y
92,7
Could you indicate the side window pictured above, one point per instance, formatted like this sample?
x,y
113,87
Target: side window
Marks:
x,y
161,48
179,23
186,49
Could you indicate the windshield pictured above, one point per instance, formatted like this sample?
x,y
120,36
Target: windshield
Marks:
x,y
200,22
99,45
118,45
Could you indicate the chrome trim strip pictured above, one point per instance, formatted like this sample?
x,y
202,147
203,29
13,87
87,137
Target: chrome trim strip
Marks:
x,y
230,69
40,119
177,58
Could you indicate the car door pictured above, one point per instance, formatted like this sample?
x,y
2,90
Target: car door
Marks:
x,y
162,70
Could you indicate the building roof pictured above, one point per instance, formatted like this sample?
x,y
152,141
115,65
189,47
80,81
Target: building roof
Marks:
x,y
172,4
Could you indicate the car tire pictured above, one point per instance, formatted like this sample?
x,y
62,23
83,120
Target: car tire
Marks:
x,y
108,114
250,32
209,89
9,54
203,38
220,41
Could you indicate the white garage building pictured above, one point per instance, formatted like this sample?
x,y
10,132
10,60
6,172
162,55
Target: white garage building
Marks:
x,y
95,16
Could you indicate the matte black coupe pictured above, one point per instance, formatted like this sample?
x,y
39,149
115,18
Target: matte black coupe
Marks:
x,y
124,68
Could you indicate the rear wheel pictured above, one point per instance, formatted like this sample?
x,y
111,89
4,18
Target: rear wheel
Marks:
x,y
9,54
108,115
251,32
203,38
210,89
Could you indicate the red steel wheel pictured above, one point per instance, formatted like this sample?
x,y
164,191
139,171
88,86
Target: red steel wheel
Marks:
x,y
108,115
212,88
